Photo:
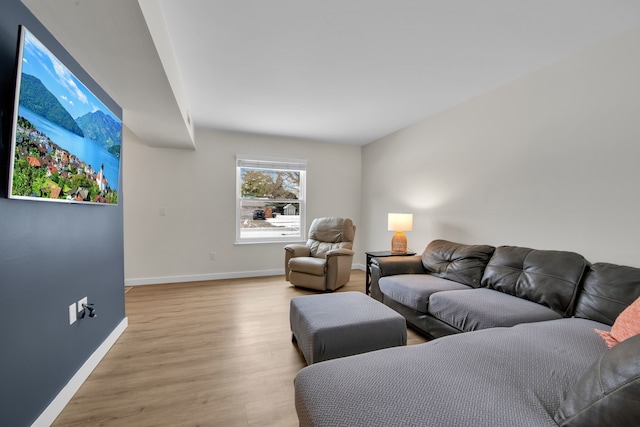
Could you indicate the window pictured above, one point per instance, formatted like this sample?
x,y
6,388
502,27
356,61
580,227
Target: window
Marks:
x,y
270,199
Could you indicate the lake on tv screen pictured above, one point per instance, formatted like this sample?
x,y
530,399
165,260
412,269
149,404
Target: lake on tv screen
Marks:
x,y
84,149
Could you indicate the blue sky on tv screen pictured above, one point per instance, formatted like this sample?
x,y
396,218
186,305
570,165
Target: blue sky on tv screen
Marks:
x,y
74,96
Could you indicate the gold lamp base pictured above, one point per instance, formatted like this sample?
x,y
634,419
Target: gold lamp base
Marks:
x,y
399,243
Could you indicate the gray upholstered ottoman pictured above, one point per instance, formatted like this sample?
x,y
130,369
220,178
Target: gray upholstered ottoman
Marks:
x,y
342,324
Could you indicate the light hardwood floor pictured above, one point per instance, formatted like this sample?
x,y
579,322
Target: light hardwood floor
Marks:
x,y
214,353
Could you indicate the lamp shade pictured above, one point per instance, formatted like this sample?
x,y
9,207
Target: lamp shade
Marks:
x,y
400,222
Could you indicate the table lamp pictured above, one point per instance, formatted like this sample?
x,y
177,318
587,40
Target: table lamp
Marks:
x,y
399,223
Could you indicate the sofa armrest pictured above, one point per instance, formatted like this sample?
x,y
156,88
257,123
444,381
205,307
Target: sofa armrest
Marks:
x,y
390,266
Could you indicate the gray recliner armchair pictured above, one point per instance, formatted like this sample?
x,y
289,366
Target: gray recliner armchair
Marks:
x,y
324,263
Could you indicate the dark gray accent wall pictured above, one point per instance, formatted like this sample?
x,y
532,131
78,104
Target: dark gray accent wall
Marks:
x,y
51,255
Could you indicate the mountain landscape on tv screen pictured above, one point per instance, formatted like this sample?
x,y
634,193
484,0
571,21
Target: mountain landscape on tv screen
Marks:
x,y
102,129
36,97
97,126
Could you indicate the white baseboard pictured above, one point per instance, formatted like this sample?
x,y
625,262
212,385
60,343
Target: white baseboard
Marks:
x,y
201,277
54,409
211,276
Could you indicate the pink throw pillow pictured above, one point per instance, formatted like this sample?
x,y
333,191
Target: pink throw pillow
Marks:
x,y
626,325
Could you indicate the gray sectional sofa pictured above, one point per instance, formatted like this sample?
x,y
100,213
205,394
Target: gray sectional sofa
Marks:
x,y
516,345
453,288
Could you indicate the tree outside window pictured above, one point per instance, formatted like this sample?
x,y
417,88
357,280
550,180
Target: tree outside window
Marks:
x,y
270,204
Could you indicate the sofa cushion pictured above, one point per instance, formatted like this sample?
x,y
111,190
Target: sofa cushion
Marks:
x,y
550,278
607,290
625,326
414,290
476,309
607,394
454,261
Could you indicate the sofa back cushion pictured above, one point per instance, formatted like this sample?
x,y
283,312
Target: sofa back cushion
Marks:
x,y
454,261
606,291
550,278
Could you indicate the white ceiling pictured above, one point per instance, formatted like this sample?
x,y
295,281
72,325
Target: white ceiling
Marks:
x,y
344,71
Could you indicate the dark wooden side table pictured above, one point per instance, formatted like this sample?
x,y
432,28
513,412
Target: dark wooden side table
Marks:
x,y
379,254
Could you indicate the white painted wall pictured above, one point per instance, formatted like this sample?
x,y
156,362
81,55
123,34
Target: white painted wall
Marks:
x,y
550,161
197,188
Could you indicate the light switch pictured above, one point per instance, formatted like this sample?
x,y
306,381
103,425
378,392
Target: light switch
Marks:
x,y
73,314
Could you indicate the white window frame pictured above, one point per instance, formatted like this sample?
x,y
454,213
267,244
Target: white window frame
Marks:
x,y
271,163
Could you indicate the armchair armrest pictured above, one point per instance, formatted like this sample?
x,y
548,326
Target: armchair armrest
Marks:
x,y
339,252
338,267
294,250
297,249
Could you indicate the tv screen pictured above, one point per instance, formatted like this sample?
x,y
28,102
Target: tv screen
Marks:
x,y
65,141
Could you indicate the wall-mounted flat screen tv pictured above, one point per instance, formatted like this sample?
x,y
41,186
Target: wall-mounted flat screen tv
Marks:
x,y
65,141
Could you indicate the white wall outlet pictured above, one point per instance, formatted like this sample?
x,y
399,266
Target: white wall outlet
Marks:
x,y
73,314
163,211
82,301
212,256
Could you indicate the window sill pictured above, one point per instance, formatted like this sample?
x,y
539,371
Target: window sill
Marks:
x,y
268,241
